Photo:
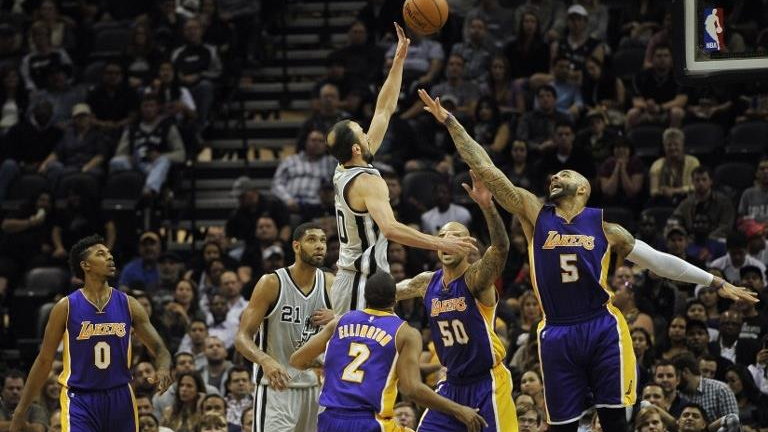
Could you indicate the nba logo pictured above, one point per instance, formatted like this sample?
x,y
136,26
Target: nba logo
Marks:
x,y
714,39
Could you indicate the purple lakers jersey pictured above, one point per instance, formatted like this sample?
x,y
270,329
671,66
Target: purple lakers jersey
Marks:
x,y
569,265
97,343
360,362
462,329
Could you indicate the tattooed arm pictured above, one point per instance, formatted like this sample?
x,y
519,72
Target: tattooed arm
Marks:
x,y
515,200
481,275
415,287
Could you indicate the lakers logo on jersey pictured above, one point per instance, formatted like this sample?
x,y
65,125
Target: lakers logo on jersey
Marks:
x,y
87,330
448,305
555,239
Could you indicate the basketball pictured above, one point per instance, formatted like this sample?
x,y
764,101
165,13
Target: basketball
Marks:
x,y
425,16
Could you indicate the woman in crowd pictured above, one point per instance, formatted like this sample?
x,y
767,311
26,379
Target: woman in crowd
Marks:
x,y
642,345
751,405
600,89
14,98
141,57
530,384
184,414
622,176
499,85
180,311
674,343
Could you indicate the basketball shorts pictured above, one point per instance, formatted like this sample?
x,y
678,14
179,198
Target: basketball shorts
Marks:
x,y
99,410
492,394
347,291
341,420
587,364
290,410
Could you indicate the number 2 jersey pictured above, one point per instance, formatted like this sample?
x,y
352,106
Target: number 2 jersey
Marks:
x,y
569,265
97,343
462,329
360,363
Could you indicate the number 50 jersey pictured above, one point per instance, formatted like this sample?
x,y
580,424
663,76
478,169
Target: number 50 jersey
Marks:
x,y
360,363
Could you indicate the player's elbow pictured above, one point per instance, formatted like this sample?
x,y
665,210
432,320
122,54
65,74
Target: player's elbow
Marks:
x,y
409,389
389,230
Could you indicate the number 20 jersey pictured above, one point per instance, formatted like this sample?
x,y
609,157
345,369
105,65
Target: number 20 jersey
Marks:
x,y
462,329
569,265
97,343
360,363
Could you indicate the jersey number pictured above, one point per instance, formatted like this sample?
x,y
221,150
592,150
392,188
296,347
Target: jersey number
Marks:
x,y
341,223
453,332
569,273
359,353
102,355
290,314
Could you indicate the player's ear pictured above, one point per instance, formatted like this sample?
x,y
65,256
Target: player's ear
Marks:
x,y
84,265
296,246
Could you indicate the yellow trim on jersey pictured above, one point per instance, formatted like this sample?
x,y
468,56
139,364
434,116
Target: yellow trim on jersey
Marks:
x,y
66,370
135,408
532,269
389,394
390,425
64,400
377,312
539,328
498,352
627,360
503,405
605,263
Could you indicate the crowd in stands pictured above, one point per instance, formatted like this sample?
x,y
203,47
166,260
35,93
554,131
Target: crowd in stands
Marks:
x,y
541,84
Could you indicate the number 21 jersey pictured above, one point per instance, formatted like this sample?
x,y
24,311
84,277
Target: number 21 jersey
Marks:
x,y
97,343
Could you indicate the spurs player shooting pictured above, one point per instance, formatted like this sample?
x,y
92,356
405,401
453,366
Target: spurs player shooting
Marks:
x,y
363,215
287,307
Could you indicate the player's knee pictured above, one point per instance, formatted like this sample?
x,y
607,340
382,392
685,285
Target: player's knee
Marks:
x,y
613,419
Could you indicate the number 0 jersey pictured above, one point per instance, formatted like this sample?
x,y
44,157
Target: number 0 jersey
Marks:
x,y
462,329
97,343
362,247
360,363
569,265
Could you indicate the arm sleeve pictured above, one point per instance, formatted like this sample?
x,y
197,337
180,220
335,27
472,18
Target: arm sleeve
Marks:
x,y
666,265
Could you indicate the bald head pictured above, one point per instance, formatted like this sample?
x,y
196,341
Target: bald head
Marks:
x,y
569,183
455,228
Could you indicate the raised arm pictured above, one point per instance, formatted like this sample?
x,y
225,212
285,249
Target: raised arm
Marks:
x,y
374,192
154,343
410,384
513,199
305,357
670,266
54,331
415,287
386,103
481,275
264,296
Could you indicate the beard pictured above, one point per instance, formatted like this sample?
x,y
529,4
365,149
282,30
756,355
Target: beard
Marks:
x,y
566,190
309,259
368,157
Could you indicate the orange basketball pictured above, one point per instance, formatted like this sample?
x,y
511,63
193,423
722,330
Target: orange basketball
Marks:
x,y
425,16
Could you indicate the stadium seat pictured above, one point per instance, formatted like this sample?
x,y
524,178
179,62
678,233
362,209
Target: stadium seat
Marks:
x,y
123,190
420,186
92,72
628,62
460,196
703,138
85,183
109,42
646,140
620,215
732,178
24,188
40,285
659,214
748,138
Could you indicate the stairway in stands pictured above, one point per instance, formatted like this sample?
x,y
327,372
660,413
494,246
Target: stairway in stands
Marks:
x,y
259,125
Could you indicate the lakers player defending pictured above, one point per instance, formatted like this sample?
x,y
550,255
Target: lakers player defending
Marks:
x,y
363,214
286,309
460,304
370,353
95,324
584,342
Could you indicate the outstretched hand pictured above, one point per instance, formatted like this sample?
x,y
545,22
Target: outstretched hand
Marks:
x,y
478,192
162,379
402,43
433,106
730,291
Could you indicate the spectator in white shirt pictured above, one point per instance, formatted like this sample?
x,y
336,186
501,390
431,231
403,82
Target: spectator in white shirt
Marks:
x,y
444,211
736,258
